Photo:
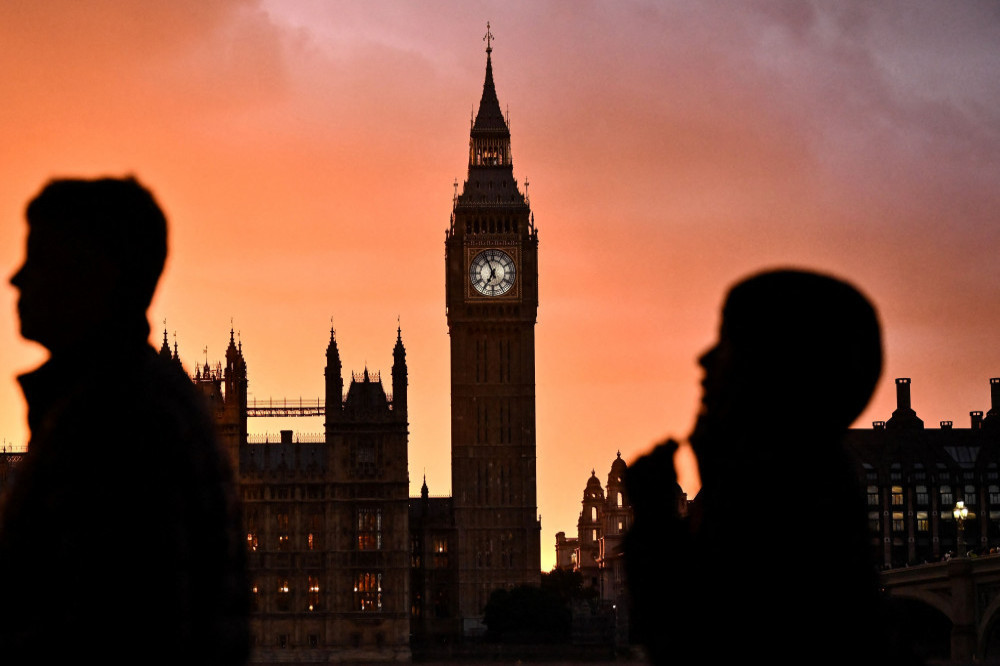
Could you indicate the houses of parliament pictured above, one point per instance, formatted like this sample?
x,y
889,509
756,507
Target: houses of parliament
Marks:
x,y
342,560
346,566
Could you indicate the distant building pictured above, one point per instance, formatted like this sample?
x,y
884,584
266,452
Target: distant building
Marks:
x,y
596,550
915,476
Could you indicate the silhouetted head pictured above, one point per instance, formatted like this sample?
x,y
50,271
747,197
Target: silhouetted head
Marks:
x,y
796,350
94,255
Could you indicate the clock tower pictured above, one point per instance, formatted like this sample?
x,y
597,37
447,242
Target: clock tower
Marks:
x,y
491,286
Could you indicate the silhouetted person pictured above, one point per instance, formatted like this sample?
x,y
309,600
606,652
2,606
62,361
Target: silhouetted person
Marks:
x,y
119,536
773,563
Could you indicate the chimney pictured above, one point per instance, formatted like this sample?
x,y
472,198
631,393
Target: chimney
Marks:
x,y
286,436
903,393
878,425
903,416
946,425
994,396
977,420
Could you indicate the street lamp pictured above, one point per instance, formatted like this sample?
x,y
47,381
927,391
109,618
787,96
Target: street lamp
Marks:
x,y
961,513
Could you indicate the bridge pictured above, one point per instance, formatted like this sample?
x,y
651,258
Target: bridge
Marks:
x,y
285,407
962,591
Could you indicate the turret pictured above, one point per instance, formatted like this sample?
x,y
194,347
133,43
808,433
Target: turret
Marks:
x,y
234,426
236,375
399,380
334,381
165,348
616,484
589,524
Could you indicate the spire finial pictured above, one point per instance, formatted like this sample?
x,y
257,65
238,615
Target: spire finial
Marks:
x,y
488,38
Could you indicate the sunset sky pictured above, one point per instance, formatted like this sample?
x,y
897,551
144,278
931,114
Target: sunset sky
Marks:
x,y
305,153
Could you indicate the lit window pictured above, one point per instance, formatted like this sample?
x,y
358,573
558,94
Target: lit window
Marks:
x,y
440,552
368,592
923,523
282,520
897,496
897,521
369,529
251,541
284,593
314,600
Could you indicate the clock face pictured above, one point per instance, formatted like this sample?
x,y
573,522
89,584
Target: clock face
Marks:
x,y
492,272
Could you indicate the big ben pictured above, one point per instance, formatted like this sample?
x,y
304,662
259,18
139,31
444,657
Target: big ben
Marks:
x,y
491,259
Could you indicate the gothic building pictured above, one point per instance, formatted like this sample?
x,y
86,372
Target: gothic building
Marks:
x,y
491,286
344,564
326,520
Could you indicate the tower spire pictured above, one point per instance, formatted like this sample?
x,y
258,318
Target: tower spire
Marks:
x,y
165,348
490,118
334,379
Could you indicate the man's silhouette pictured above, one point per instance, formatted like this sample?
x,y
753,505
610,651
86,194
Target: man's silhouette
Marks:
x,y
772,564
119,536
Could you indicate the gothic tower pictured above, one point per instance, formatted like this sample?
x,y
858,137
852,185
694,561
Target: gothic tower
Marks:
x,y
234,432
491,285
368,549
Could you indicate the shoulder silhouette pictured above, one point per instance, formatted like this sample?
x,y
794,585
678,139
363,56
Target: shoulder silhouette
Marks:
x,y
121,527
729,581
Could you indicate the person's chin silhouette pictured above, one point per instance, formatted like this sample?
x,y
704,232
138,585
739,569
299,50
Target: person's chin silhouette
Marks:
x,y
735,579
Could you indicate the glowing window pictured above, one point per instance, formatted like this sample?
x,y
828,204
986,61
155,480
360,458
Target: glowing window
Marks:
x,y
368,592
369,529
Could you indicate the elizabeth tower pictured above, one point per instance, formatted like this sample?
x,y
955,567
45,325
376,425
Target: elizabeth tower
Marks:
x,y
491,260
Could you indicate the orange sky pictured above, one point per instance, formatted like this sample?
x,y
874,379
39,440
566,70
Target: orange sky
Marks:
x,y
305,153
